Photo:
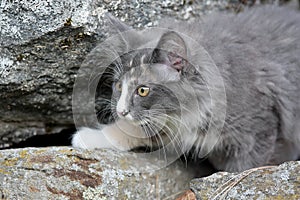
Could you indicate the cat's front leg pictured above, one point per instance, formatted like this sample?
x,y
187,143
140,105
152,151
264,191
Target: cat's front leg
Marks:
x,y
120,135
87,138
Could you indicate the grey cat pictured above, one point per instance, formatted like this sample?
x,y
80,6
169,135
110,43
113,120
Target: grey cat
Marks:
x,y
166,88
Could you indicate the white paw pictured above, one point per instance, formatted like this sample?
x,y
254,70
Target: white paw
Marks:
x,y
87,138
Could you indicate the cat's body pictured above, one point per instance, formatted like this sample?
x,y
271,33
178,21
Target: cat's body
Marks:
x,y
257,54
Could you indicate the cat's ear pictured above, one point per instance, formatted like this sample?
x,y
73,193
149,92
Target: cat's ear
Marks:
x,y
117,24
171,50
125,35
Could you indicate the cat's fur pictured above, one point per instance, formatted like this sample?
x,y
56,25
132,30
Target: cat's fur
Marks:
x,y
257,53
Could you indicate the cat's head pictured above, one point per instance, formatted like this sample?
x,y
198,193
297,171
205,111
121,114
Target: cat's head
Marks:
x,y
151,86
142,85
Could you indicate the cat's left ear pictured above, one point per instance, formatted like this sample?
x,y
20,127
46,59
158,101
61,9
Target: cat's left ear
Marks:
x,y
117,24
171,50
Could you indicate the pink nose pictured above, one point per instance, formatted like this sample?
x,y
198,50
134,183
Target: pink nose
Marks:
x,y
123,113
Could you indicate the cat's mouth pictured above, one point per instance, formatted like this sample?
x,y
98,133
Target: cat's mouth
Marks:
x,y
152,124
128,117
135,122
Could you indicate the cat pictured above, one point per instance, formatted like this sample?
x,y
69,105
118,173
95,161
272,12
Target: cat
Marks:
x,y
230,93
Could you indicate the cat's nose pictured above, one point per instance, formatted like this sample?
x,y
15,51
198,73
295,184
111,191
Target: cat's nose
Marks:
x,y
124,113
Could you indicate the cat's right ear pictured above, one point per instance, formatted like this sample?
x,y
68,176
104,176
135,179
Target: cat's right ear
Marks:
x,y
171,50
117,24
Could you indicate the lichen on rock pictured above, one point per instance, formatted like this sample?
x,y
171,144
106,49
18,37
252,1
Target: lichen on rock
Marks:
x,y
269,182
67,173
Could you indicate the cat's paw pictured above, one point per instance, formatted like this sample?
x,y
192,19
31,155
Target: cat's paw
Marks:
x,y
87,138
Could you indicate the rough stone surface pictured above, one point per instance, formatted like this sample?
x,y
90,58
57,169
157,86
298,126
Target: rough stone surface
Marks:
x,y
43,42
282,182
66,173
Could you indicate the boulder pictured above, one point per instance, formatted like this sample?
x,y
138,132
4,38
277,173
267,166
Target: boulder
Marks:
x,y
43,43
67,173
270,182
42,46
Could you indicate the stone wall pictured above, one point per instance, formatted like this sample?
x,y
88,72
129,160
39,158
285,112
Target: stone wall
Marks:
x,y
42,44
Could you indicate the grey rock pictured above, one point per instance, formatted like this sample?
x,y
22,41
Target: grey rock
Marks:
x,y
66,173
271,182
22,21
43,43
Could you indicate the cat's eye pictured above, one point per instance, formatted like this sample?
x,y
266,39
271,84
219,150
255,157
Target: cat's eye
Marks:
x,y
143,91
118,86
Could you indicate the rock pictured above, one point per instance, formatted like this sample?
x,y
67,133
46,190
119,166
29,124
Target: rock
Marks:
x,y
271,182
188,195
67,173
42,44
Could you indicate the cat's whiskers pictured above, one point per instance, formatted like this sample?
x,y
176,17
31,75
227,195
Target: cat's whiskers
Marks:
x,y
173,138
184,148
156,112
147,133
160,142
158,122
107,102
104,110
110,73
146,128
118,67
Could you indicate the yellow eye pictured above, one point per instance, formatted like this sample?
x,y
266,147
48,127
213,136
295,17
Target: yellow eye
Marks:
x,y
143,91
118,86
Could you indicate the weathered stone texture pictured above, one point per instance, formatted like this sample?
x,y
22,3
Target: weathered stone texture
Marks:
x,y
282,182
43,43
66,173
